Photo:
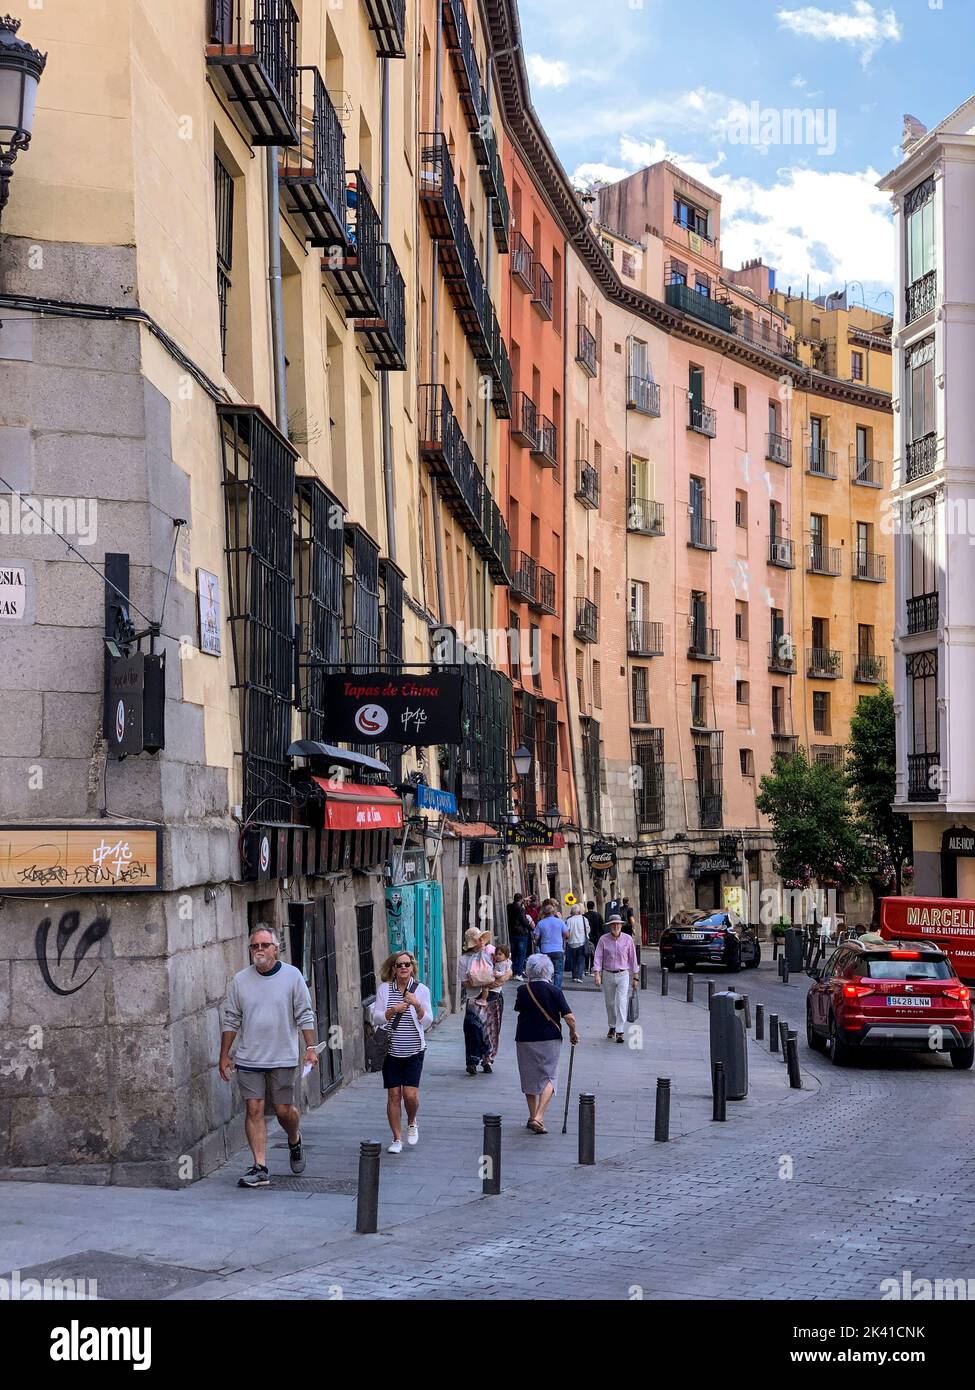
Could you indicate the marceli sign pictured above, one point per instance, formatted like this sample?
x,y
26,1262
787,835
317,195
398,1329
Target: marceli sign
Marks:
x,y
415,710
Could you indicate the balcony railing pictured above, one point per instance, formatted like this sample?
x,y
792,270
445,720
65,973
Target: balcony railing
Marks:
x,y
497,363
823,559
492,178
702,533
922,296
524,576
702,419
545,598
699,712
869,566
868,472
922,455
704,644
252,53
586,349
826,754
460,44
784,745
644,638
546,448
781,553
782,655
542,291
458,260
763,335
778,448
523,262
688,301
871,670
356,275
643,394
387,20
820,461
824,663
587,620
587,485
645,516
923,776
313,171
922,613
524,420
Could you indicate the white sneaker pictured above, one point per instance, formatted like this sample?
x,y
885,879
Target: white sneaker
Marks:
x,y
413,1134
396,1147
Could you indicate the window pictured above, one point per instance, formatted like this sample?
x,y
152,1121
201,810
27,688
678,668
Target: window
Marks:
x,y
607,246
920,378
647,752
702,284
821,711
741,620
597,685
739,393
367,962
597,587
773,417
678,273
557,293
319,551
922,680
820,633
628,264
514,629
864,641
741,692
747,762
580,671
598,335
699,715
556,660
639,678
741,508
774,520
778,709
924,578
224,193
863,443
691,217
856,366
919,224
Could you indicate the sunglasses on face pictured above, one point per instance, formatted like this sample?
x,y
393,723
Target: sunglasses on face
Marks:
x,y
404,965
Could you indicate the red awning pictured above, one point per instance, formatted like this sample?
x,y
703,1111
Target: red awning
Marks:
x,y
351,806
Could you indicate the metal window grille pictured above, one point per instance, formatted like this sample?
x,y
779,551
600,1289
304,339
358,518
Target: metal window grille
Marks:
x,y
367,960
391,643
709,760
525,720
320,545
647,751
550,752
641,695
590,768
223,184
360,633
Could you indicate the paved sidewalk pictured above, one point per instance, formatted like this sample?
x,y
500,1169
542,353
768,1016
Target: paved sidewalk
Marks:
x,y
208,1240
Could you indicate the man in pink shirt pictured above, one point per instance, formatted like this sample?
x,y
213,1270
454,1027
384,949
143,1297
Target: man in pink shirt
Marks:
x,y
613,966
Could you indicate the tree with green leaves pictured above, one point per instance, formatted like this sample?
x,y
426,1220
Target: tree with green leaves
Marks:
x,y
871,771
816,836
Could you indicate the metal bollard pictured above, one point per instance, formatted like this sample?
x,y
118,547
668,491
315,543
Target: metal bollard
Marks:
x,y
719,1093
710,992
644,974
661,1124
491,1182
367,1202
664,980
775,947
760,1022
748,1011
690,989
587,1127
773,1032
785,971
783,1035
781,964
792,1060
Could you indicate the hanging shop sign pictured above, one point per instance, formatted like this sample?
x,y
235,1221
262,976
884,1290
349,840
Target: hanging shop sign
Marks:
x,y
135,703
728,844
958,840
415,710
528,833
702,864
50,858
643,865
601,858
433,799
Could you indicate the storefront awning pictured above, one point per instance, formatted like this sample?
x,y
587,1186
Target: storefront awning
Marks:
x,y
351,806
473,830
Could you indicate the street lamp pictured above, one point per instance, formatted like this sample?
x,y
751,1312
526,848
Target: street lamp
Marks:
x,y
522,759
20,71
552,818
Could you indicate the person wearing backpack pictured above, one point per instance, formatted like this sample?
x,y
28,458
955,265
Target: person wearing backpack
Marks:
x,y
402,1005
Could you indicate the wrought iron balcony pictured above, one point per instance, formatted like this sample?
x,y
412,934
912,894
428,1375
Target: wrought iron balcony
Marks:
x,y
871,670
542,290
820,461
458,260
702,419
497,363
700,306
587,485
823,559
868,472
385,332
780,553
869,566
313,171
924,776
523,262
709,808
587,620
782,655
546,448
492,541
524,576
784,745
702,534
922,456
644,638
645,516
586,349
824,663
705,643
460,44
643,394
355,273
252,53
524,420
699,712
545,598
922,296
826,754
922,613
492,178
387,20
778,448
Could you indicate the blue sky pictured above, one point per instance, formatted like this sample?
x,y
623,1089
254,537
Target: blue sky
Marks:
x,y
621,83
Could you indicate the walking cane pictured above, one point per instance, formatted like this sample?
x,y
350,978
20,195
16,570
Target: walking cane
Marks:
x,y
568,1089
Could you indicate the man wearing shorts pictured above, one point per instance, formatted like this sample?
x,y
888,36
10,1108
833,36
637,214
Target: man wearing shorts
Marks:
x,y
266,1005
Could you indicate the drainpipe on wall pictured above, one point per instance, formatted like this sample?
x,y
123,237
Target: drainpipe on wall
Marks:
x,y
274,289
435,346
566,617
387,428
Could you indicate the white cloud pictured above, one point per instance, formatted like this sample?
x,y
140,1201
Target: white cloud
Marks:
x,y
863,26
546,72
695,112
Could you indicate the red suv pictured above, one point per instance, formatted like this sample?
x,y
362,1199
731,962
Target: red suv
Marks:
x,y
899,994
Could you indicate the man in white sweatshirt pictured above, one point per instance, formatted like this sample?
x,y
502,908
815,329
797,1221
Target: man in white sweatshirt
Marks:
x,y
265,1006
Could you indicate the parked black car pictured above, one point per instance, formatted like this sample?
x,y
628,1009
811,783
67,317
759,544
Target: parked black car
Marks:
x,y
714,938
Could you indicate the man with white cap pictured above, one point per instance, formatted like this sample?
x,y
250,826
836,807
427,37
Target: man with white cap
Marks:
x,y
613,966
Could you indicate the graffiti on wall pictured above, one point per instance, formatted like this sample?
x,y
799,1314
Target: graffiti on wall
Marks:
x,y
63,960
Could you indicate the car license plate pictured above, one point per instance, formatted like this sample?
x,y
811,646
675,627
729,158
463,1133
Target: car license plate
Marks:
x,y
906,1001
693,936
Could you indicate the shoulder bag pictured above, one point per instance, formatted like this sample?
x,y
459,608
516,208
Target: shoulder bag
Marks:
x,y
538,1006
380,1040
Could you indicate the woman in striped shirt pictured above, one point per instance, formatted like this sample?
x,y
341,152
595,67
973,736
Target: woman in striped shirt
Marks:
x,y
400,996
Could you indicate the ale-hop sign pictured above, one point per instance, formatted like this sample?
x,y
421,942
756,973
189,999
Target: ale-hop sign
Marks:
x,y
51,858
375,708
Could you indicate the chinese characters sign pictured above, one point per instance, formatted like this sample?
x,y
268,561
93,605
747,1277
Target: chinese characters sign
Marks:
x,y
61,859
413,710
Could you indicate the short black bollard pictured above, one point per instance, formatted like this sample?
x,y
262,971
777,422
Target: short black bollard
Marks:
x,y
775,947
587,1127
710,992
785,971
690,989
773,1032
792,1060
491,1156
367,1203
644,974
664,980
719,1092
760,1022
783,1035
748,1011
781,965
661,1124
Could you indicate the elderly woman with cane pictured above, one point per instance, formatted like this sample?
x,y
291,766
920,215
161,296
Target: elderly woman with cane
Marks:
x,y
538,1040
